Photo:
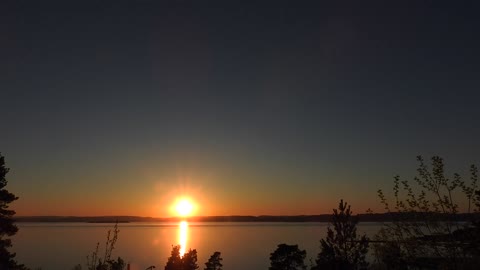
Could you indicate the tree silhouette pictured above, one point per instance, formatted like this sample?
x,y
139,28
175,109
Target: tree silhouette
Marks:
x,y
287,257
189,260
177,262
7,227
174,262
342,249
215,262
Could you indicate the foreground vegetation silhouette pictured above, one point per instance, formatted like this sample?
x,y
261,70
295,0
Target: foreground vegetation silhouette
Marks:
x,y
189,260
96,262
288,257
343,248
215,262
175,262
426,232
186,262
7,227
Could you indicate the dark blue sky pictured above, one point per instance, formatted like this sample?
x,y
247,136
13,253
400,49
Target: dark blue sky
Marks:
x,y
273,108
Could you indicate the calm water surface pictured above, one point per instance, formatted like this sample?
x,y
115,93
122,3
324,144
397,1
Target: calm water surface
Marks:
x,y
59,246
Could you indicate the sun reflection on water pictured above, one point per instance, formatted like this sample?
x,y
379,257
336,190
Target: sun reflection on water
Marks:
x,y
183,236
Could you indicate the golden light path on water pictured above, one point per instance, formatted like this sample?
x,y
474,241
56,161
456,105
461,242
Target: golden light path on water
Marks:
x,y
183,237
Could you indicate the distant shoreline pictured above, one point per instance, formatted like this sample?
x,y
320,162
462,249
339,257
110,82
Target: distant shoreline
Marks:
x,y
264,218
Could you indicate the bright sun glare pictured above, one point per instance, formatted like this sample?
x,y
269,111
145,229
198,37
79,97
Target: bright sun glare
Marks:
x,y
184,207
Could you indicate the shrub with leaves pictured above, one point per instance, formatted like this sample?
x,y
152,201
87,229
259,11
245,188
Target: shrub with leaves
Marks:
x,y
426,231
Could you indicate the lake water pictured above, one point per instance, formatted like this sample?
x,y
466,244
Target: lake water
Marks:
x,y
60,246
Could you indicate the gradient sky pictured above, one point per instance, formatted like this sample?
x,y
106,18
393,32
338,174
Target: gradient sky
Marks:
x,y
118,107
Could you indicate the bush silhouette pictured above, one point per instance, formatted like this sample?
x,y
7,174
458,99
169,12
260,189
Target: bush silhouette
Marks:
x,y
287,257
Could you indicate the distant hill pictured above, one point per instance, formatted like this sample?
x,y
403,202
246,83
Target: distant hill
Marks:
x,y
263,218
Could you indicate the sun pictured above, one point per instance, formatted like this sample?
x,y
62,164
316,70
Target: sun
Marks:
x,y
184,207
